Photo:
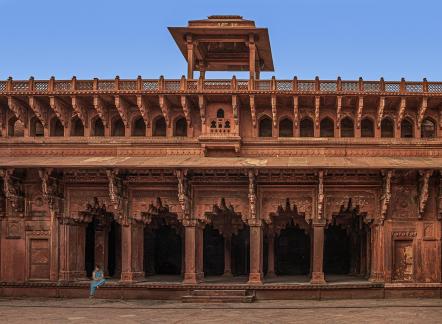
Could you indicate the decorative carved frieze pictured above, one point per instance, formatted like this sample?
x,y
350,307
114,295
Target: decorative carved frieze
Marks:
x,y
61,109
165,108
360,202
123,109
144,108
147,204
185,104
80,108
401,112
380,113
296,206
253,110
359,111
102,110
424,179
386,193
19,109
12,189
422,110
224,219
274,116
338,111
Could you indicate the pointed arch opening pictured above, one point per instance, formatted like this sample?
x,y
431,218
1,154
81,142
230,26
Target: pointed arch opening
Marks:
x,y
180,128
367,128
56,128
387,128
98,127
347,127
407,128
327,127
16,128
306,127
286,128
36,129
77,128
159,127
118,128
139,127
265,127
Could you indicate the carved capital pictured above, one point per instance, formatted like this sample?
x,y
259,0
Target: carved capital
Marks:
x,y
51,191
117,194
424,179
12,189
386,193
252,195
184,192
321,196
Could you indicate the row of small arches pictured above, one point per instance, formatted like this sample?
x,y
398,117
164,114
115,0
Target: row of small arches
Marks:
x,y
16,127
347,128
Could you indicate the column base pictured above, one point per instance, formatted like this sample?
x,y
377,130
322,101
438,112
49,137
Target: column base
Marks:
x,y
255,278
131,276
376,277
271,275
227,274
193,278
317,278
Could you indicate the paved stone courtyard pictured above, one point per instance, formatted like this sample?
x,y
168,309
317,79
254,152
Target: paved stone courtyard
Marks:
x,y
147,311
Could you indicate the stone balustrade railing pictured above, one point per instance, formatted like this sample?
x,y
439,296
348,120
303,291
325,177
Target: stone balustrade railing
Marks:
x,y
184,85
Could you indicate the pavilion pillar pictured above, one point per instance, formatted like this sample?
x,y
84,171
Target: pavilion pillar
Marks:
x,y
72,251
190,57
54,266
228,254
256,253
271,255
377,253
193,241
318,254
132,251
101,251
252,57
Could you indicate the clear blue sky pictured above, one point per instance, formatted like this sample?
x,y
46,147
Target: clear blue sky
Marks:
x,y
104,38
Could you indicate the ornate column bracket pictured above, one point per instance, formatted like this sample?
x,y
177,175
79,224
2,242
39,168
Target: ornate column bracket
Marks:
x,y
40,111
386,193
321,196
317,106
274,116
80,109
102,110
165,108
184,192
359,111
401,112
424,180
19,109
202,107
235,104
144,108
51,190
117,194
380,112
185,103
253,110
123,109
12,189
422,110
338,111
61,109
296,111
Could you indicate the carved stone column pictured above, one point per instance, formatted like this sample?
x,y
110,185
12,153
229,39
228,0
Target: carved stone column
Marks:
x,y
256,253
271,255
132,251
227,255
318,254
193,246
377,258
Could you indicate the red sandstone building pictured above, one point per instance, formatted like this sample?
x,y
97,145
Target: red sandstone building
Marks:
x,y
281,188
